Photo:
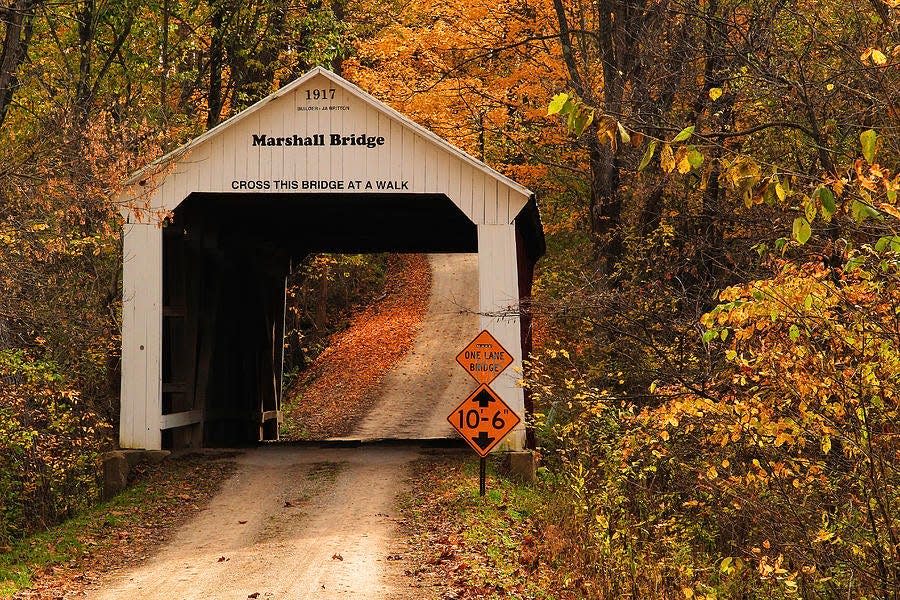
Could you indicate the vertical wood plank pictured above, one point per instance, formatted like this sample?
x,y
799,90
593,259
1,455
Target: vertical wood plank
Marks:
x,y
371,170
498,294
465,191
503,204
203,166
141,406
384,157
478,196
430,157
398,149
454,173
261,159
443,173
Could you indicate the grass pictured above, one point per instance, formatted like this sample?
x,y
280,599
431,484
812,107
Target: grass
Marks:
x,y
64,543
144,513
492,533
325,473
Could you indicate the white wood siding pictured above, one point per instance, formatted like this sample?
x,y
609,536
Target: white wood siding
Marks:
x,y
498,297
214,164
141,338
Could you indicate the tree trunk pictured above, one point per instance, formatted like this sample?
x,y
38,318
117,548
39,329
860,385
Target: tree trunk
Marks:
x,y
18,18
216,62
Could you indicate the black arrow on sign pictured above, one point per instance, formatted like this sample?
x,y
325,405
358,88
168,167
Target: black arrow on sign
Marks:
x,y
484,399
483,440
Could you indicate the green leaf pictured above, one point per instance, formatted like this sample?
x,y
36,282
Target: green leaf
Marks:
x,y
794,333
648,156
868,139
780,191
802,230
695,158
889,240
582,120
809,209
862,211
557,103
626,139
826,197
854,262
684,134
709,335
726,563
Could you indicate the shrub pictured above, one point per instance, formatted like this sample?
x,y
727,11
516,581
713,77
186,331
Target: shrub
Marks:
x,y
49,447
777,478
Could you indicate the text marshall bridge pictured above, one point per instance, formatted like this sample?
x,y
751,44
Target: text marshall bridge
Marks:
x,y
319,139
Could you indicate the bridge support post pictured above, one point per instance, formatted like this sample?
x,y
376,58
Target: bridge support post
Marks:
x,y
141,409
498,293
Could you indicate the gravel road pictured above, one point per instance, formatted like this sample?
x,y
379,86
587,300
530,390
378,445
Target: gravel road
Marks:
x,y
292,523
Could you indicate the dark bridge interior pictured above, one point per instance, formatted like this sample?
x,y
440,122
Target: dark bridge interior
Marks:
x,y
225,259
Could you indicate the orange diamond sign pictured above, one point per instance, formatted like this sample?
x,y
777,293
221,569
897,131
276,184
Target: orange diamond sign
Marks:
x,y
484,358
483,420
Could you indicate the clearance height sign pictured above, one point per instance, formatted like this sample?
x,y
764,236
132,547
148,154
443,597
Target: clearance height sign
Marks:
x,y
484,419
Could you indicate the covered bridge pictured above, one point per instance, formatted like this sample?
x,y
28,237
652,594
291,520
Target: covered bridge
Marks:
x,y
319,166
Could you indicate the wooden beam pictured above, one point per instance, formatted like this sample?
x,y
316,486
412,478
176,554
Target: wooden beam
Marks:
x,y
271,415
181,419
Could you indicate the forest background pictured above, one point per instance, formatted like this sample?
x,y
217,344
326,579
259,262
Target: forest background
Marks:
x,y
718,314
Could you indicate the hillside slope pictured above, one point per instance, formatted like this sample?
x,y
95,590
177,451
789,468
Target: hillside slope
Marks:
x,y
392,372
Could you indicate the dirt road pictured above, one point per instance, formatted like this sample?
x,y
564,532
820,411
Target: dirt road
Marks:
x,y
292,523
296,523
427,383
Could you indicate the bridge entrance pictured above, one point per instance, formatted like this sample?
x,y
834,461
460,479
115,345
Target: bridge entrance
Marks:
x,y
295,174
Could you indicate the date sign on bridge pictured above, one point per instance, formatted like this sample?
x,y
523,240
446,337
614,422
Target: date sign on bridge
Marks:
x,y
483,420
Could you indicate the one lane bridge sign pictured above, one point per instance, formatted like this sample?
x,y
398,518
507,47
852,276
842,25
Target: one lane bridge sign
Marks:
x,y
484,358
483,420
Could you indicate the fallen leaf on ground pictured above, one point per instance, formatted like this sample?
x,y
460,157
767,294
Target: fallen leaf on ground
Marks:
x,y
370,347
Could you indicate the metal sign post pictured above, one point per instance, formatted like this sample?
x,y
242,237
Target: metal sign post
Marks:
x,y
482,476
